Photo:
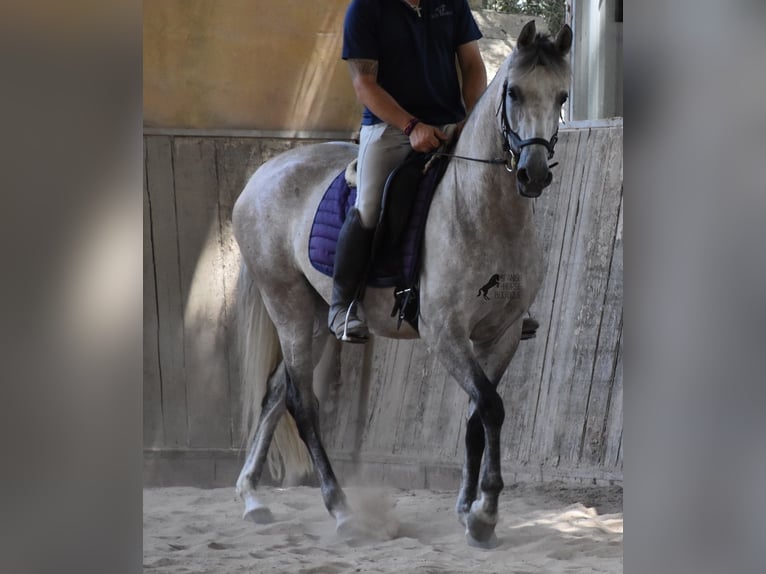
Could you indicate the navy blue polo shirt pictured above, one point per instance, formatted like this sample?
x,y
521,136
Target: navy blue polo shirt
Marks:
x,y
415,53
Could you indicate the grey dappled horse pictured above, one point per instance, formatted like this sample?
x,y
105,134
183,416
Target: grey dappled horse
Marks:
x,y
479,226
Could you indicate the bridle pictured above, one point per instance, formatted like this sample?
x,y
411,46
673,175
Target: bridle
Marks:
x,y
512,142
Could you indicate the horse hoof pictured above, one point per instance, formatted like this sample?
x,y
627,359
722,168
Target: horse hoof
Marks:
x,y
480,533
489,544
258,514
351,529
255,510
346,526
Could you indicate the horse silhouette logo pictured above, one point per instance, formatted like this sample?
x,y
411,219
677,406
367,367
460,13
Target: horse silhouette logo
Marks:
x,y
494,281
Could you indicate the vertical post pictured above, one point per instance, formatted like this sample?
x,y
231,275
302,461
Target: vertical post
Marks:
x,y
596,59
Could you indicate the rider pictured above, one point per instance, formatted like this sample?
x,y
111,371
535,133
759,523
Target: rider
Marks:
x,y
402,55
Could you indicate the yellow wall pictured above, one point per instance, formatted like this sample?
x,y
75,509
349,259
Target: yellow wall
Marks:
x,y
254,64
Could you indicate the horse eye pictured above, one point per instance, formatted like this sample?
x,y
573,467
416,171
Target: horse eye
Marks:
x,y
513,94
563,98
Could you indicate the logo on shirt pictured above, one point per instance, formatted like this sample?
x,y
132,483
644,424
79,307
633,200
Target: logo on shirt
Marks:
x,y
441,11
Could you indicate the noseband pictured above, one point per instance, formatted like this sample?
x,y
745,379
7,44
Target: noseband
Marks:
x,y
512,142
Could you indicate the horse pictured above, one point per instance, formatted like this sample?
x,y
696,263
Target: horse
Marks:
x,y
482,208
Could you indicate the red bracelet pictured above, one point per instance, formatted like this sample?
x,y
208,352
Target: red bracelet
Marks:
x,y
410,126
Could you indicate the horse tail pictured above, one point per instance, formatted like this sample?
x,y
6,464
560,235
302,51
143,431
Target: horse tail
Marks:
x,y
260,355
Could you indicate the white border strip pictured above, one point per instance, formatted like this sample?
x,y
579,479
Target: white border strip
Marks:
x,y
582,124
242,133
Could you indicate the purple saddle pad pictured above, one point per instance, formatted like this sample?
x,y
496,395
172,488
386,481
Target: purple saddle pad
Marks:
x,y
394,264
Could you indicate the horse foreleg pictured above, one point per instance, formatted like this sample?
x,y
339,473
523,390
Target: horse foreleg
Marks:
x,y
488,413
494,366
481,520
272,409
474,450
493,358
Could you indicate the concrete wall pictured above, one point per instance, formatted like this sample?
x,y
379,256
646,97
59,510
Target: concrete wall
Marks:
x,y
246,64
394,412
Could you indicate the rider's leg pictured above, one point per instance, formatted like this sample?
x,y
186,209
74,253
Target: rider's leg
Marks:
x,y
381,149
351,254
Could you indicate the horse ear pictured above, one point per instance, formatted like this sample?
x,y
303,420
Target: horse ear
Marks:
x,y
527,36
564,40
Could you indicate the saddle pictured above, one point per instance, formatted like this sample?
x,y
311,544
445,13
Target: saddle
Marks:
x,y
395,258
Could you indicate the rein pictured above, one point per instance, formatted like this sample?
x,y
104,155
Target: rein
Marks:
x,y
496,161
512,143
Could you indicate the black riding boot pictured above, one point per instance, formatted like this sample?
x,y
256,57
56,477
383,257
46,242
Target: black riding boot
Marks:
x,y
351,259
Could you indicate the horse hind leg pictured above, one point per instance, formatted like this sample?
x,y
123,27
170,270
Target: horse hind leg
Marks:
x,y
303,406
299,338
272,409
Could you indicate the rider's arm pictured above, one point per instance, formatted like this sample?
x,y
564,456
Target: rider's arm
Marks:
x,y
473,72
364,76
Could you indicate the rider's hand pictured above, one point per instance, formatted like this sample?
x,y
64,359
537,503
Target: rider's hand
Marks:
x,y
425,138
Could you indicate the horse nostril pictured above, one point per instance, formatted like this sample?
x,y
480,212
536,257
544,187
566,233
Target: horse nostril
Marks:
x,y
522,175
548,179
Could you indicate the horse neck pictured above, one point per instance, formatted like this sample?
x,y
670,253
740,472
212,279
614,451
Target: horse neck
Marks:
x,y
478,191
481,136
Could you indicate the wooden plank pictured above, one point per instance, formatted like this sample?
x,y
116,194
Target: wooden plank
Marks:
x,y
585,294
161,193
522,385
327,386
572,343
593,443
152,379
541,441
612,458
344,412
384,406
435,407
202,287
409,429
356,379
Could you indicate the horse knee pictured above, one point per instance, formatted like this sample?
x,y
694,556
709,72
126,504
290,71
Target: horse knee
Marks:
x,y
491,409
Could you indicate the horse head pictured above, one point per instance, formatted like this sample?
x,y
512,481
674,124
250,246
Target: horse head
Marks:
x,y
535,87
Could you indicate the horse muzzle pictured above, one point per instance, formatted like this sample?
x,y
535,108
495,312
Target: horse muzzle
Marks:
x,y
532,173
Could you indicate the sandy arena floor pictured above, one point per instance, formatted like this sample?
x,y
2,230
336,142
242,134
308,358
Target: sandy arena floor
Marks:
x,y
543,529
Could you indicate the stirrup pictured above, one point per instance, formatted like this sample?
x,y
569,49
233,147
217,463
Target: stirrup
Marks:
x,y
345,337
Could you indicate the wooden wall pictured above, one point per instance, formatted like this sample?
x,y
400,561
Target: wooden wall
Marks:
x,y
394,413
